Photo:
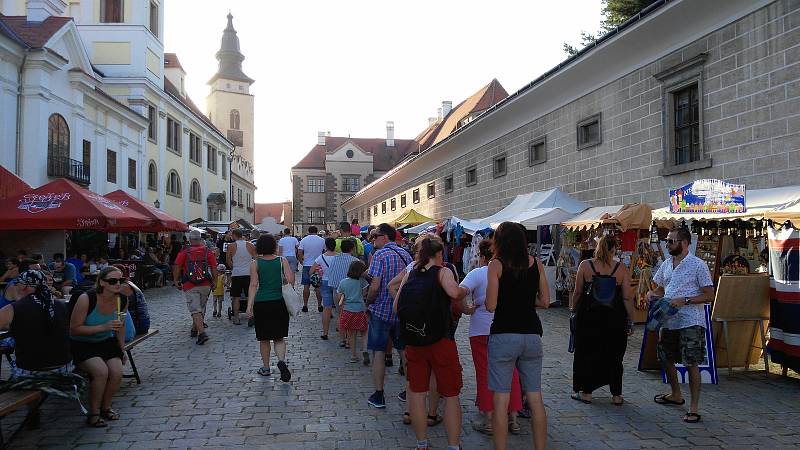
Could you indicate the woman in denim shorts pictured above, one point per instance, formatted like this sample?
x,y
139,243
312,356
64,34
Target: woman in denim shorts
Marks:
x,y
516,287
321,266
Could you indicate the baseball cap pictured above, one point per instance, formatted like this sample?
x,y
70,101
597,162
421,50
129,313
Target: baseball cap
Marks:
x,y
195,235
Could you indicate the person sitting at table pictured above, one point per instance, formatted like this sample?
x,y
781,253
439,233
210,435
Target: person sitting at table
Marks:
x,y
12,270
64,273
38,324
98,336
137,307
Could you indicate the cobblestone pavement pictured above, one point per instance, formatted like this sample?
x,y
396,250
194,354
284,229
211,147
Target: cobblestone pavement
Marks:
x,y
210,396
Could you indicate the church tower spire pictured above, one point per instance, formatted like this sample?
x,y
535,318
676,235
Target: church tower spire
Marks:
x,y
230,57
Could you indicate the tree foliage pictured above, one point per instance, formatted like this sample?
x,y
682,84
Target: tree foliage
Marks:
x,y
615,13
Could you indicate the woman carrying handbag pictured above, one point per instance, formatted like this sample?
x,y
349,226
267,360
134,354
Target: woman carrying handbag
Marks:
x,y
270,277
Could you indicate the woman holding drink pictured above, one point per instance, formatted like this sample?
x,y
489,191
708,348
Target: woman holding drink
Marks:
x,y
97,333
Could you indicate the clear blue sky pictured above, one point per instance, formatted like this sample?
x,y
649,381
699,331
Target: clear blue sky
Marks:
x,y
349,66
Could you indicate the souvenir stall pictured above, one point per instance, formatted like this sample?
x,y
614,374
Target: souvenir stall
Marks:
x,y
630,224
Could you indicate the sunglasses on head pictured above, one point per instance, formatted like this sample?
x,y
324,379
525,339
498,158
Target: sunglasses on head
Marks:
x,y
114,281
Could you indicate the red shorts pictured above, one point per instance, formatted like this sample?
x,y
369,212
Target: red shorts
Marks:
x,y
442,359
353,321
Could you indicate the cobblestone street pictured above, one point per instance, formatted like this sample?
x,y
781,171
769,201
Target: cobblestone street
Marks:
x,y
210,396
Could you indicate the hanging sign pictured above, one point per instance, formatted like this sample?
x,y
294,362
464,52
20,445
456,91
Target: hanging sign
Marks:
x,y
708,196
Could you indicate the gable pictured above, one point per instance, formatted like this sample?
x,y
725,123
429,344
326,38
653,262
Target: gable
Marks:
x,y
67,43
349,152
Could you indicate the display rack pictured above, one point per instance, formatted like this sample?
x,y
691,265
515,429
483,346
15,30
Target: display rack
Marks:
x,y
708,249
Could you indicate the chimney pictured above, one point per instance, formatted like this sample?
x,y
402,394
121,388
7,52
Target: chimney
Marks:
x,y
390,134
447,106
321,138
439,113
39,10
432,120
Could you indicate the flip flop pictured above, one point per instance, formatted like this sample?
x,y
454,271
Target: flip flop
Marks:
x,y
577,396
662,399
691,417
434,420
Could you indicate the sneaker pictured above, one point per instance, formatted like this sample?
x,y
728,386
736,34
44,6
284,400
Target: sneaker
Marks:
x,y
193,333
250,322
365,355
377,400
285,374
202,338
264,371
324,337
389,362
320,308
402,396
354,359
305,309
205,325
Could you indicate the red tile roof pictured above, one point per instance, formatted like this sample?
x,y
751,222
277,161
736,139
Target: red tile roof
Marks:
x,y
34,34
274,210
383,157
171,61
175,93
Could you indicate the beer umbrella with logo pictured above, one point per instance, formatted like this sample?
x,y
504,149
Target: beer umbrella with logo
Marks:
x,y
163,221
63,205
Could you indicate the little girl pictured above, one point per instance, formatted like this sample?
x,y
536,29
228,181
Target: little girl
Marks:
x,y
353,318
219,290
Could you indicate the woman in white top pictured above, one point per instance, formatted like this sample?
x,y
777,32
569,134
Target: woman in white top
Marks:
x,y
321,266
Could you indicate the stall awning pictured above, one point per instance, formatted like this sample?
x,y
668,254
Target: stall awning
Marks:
x,y
163,221
591,218
759,202
538,217
427,226
63,205
11,184
412,217
788,212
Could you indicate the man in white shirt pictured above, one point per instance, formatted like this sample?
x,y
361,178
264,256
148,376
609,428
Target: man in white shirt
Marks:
x,y
686,281
308,251
287,247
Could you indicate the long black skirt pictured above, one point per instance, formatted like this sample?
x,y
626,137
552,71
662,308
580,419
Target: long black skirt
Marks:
x,y
600,343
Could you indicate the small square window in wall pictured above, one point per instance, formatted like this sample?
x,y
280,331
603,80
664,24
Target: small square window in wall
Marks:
x,y
590,132
472,175
415,196
537,151
431,190
383,208
403,201
499,166
393,204
448,184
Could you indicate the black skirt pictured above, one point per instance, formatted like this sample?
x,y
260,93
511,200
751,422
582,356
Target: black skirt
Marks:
x,y
271,320
105,350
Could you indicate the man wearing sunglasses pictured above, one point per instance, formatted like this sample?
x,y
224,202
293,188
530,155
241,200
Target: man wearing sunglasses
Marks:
x,y
686,281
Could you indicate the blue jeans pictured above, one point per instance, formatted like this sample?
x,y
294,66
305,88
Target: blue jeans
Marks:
x,y
327,294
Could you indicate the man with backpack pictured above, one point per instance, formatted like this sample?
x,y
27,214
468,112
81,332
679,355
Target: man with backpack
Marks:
x,y
194,274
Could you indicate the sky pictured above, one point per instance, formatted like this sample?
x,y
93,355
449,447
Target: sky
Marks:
x,y
349,66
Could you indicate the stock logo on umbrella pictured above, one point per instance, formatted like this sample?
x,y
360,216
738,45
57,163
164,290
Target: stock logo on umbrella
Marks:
x,y
105,202
36,203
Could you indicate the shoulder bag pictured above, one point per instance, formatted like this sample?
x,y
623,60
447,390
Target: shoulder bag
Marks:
x,y
290,297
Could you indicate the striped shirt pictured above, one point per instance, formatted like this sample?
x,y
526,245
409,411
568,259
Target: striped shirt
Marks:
x,y
339,267
387,262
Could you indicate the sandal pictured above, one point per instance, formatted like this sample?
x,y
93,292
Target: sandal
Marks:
x,y
514,428
619,403
406,418
434,420
264,371
662,399
109,414
97,423
577,396
483,427
691,417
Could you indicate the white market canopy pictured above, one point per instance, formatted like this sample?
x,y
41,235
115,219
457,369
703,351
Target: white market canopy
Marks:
x,y
420,228
531,210
758,201
271,226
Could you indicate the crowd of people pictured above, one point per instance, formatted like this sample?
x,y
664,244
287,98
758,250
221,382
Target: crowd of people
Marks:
x,y
381,294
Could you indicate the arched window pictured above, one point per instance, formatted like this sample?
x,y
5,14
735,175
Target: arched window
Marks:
x,y
173,184
152,176
57,139
234,119
194,191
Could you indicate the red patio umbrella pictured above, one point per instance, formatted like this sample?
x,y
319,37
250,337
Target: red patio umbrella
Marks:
x,y
164,222
11,184
63,205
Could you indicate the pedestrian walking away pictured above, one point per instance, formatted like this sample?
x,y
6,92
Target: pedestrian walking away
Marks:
x,y
686,281
195,273
240,254
309,249
266,307
353,316
516,286
337,273
287,247
603,306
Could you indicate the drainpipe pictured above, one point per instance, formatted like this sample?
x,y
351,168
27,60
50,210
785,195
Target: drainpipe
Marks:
x,y
18,138
230,183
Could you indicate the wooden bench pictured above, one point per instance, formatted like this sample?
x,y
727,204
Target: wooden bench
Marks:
x,y
11,401
129,346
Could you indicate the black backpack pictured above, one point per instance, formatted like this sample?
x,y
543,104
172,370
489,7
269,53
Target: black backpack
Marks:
x,y
604,288
423,311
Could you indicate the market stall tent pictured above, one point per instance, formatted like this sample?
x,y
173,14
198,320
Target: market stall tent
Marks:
x,y
63,205
163,221
427,226
788,212
412,217
591,218
633,216
11,184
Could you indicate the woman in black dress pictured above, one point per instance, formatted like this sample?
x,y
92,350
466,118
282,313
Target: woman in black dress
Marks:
x,y
603,305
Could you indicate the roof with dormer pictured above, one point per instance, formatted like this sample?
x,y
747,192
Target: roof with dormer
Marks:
x,y
230,57
31,34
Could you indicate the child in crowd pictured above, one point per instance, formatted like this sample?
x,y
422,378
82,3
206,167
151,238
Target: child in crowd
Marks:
x,y
353,318
219,290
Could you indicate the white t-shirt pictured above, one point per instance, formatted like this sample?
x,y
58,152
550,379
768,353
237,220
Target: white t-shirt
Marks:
x,y
324,265
312,246
476,281
287,245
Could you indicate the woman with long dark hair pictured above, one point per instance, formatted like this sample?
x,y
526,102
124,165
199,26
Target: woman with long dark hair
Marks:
x,y
265,304
516,286
603,305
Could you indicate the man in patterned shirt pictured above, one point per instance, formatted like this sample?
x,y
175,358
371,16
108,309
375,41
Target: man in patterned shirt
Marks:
x,y
387,262
684,279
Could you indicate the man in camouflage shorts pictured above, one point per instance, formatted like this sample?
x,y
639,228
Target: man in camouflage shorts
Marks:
x,y
686,281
